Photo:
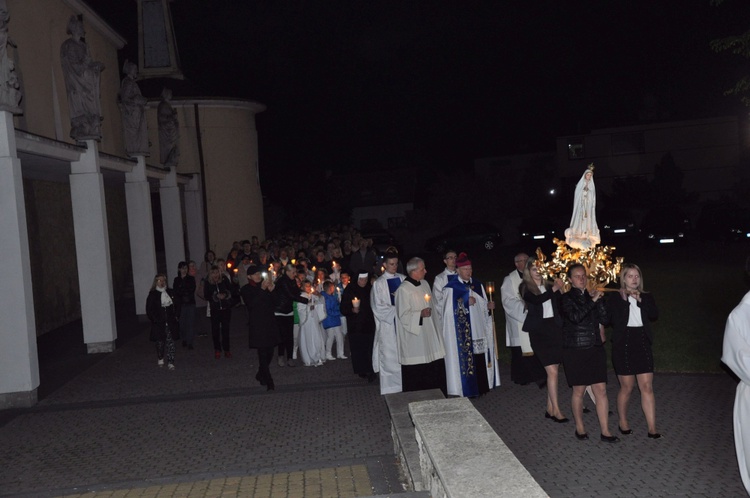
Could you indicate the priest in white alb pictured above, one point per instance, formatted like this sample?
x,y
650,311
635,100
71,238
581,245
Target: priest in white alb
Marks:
x,y
385,359
736,355
470,361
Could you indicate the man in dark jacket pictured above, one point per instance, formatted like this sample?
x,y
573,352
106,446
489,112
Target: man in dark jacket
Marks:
x,y
285,293
583,351
263,333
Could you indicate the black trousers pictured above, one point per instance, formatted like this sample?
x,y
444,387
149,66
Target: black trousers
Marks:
x,y
286,329
424,376
265,355
220,328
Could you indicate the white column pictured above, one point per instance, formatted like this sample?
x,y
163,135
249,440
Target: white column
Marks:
x,y
92,252
19,363
196,233
141,230
171,216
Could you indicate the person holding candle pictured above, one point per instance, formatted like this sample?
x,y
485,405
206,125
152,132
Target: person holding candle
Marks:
x,y
420,343
470,361
385,358
355,306
263,331
544,325
332,322
311,334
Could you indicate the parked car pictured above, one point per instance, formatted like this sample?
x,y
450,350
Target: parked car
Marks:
x,y
724,222
666,226
382,240
466,236
541,228
616,223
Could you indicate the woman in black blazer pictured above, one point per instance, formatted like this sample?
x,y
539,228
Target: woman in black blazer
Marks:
x,y
544,325
630,313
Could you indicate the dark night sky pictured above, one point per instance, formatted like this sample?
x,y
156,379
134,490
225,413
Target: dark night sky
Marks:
x,y
434,84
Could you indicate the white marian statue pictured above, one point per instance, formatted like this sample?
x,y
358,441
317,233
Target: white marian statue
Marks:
x,y
583,232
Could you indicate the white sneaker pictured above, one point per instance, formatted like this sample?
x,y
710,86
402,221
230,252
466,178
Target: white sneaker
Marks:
x,y
342,357
330,357
160,362
170,366
319,363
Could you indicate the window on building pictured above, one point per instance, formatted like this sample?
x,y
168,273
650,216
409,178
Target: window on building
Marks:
x,y
628,143
575,148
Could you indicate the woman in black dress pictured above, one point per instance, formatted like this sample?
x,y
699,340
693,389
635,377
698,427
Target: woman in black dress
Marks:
x,y
263,331
162,308
584,357
544,325
218,292
184,290
630,312
360,324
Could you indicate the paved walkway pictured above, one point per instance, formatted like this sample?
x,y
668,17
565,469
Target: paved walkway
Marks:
x,y
117,425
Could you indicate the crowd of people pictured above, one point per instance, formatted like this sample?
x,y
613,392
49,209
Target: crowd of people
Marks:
x,y
307,294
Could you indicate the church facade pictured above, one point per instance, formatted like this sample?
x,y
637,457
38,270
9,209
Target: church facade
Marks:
x,y
79,227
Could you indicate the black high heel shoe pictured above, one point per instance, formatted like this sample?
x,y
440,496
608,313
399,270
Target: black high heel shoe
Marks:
x,y
625,432
654,435
555,419
581,437
609,439
270,386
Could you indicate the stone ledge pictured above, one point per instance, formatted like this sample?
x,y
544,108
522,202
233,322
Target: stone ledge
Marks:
x,y
402,431
21,399
461,456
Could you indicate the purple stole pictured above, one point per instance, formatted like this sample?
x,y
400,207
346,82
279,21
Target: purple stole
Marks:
x,y
462,323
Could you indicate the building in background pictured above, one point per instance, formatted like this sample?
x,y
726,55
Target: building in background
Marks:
x,y
79,231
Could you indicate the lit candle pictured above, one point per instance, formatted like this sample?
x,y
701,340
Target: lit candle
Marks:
x,y
294,261
313,269
355,302
427,298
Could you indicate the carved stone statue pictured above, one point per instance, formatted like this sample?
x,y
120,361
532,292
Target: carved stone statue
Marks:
x,y
169,130
584,232
133,109
82,75
10,93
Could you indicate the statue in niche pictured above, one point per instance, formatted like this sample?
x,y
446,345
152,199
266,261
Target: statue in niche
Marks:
x,y
169,130
82,75
584,232
10,93
133,109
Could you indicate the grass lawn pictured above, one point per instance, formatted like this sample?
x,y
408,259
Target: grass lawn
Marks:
x,y
695,288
